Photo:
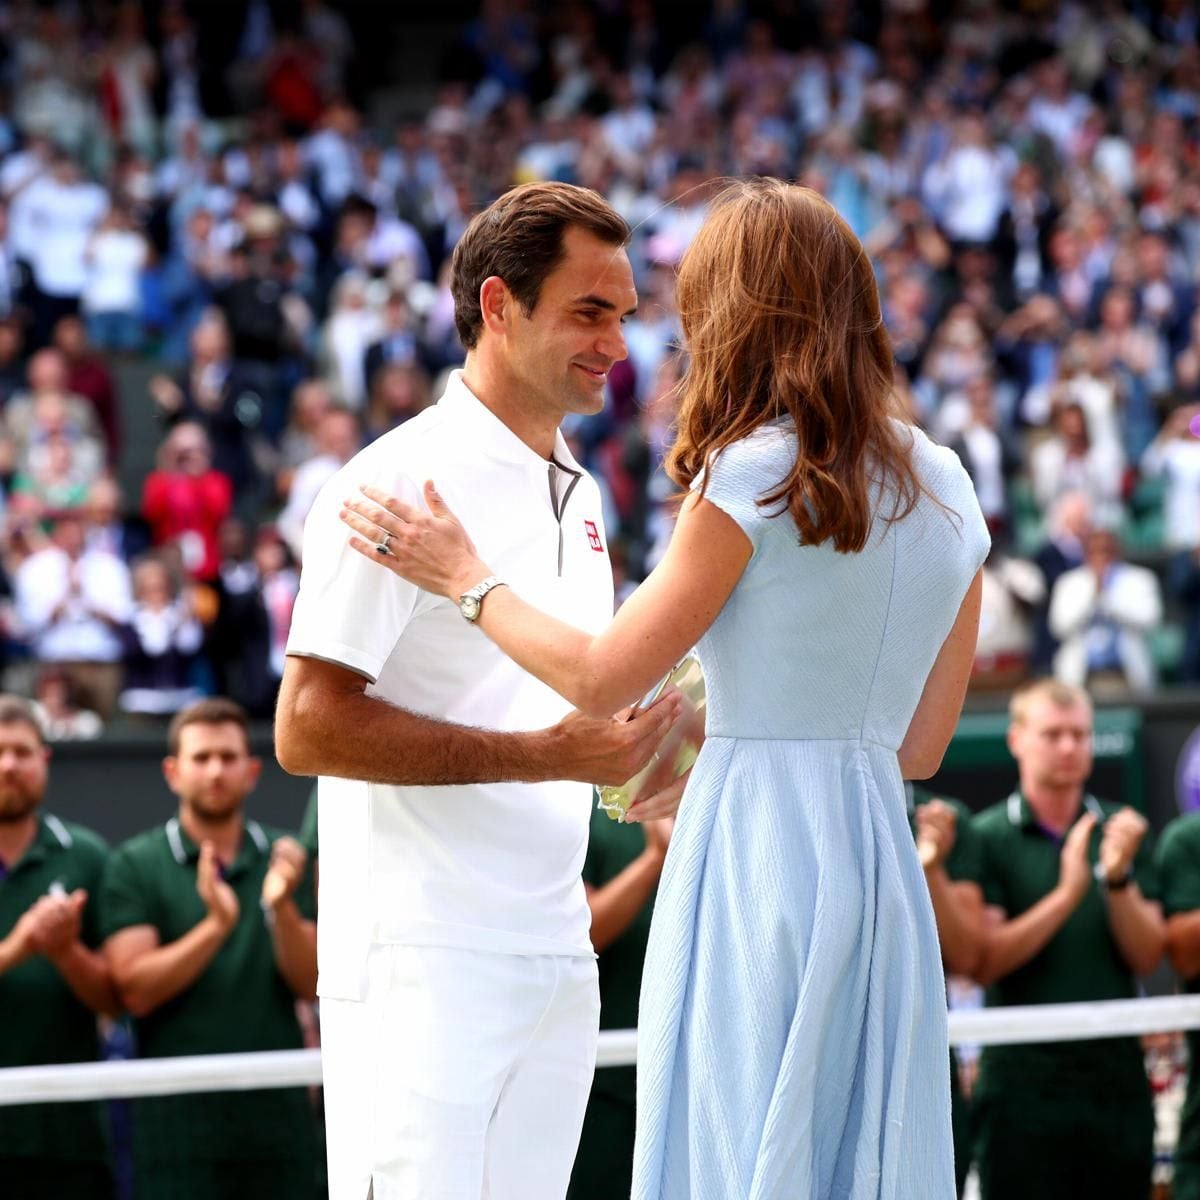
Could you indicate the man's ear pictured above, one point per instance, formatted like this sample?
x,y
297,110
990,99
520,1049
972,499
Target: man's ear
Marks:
x,y
495,303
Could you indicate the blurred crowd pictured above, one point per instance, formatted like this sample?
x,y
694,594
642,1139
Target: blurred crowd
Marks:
x,y
1025,177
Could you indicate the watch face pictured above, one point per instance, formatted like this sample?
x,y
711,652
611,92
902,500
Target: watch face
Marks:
x,y
470,607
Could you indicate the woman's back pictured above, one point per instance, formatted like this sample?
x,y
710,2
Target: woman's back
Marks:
x,y
816,644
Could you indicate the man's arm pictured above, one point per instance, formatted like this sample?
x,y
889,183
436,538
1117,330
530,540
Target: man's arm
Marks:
x,y
293,936
957,905
616,904
325,724
1015,942
59,938
1137,923
1183,943
148,974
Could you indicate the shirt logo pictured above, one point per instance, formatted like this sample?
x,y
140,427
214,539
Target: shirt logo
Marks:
x,y
593,536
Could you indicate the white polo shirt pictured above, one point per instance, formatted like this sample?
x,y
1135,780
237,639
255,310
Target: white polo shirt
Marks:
x,y
491,866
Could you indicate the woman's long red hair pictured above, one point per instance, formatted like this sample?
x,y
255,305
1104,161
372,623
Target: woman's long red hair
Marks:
x,y
780,310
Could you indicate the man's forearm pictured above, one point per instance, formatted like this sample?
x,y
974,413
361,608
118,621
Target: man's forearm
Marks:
x,y
615,905
161,974
87,975
959,917
294,941
1183,943
1137,928
1014,943
11,954
349,735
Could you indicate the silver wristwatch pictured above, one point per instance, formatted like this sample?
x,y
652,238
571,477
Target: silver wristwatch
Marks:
x,y
469,603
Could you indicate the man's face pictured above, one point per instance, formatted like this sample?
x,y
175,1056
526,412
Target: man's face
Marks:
x,y
1053,744
24,764
562,351
213,772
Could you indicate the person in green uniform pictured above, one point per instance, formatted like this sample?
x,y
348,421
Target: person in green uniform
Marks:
x,y
1178,863
1075,879
949,851
53,979
621,873
209,932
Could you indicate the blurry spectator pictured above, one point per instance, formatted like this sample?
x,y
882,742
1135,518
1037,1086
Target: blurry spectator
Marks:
x,y
958,353
59,467
1165,298
47,397
1074,879
1179,876
71,602
61,209
185,499
128,75
1187,364
967,186
53,980
182,908
60,713
310,402
108,528
1174,456
399,341
986,452
88,376
161,642
1102,612
1068,460
397,393
1012,590
12,363
338,439
115,258
218,395
1067,524
354,325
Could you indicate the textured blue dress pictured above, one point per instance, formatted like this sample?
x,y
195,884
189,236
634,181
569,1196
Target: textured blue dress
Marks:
x,y
792,1040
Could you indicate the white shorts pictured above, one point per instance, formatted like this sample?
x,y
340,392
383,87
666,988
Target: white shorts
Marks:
x,y
463,1075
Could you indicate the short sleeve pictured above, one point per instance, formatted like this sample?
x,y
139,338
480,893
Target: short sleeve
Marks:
x,y
991,873
1145,869
964,864
349,610
1178,861
93,853
125,900
740,474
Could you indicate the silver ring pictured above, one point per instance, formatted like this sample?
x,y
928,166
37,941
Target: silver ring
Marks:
x,y
381,547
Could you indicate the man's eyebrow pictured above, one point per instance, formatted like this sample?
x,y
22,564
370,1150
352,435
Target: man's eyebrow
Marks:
x,y
593,301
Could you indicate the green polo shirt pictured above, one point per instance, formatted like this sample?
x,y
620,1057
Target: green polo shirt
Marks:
x,y
1179,877
1021,864
308,826
239,1003
42,1021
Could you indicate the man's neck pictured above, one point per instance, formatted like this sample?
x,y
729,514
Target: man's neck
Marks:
x,y
225,833
499,394
15,838
1055,808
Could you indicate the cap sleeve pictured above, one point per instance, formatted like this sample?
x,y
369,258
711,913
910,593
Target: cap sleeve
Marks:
x,y
739,475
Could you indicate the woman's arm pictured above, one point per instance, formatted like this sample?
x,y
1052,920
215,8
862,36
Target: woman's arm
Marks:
x,y
654,628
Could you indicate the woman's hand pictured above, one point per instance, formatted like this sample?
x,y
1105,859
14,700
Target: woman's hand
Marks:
x,y
430,549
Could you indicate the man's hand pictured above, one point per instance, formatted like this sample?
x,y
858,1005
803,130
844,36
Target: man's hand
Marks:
x,y
219,898
937,827
1119,841
284,872
611,750
59,922
1075,871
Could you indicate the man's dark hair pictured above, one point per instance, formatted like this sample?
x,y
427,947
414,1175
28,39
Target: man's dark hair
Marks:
x,y
16,711
519,238
215,710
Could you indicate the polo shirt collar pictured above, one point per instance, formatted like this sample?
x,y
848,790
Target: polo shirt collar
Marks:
x,y
1021,815
493,437
183,850
51,836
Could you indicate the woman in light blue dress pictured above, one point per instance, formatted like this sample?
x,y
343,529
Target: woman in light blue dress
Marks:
x,y
792,1031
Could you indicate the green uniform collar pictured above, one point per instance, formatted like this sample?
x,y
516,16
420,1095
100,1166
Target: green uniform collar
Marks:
x,y
184,850
51,836
1021,816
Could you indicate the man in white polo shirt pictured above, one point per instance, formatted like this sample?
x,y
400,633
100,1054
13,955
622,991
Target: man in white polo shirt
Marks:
x,y
458,983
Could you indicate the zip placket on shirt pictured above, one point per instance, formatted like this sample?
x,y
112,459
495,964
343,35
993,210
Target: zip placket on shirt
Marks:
x,y
558,506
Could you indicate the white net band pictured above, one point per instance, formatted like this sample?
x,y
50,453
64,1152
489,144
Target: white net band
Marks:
x,y
302,1068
